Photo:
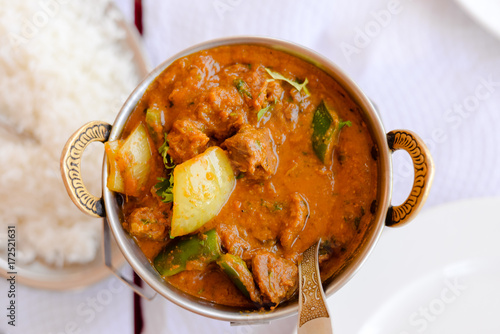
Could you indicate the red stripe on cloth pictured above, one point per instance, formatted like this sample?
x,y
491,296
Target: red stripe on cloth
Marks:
x,y
138,320
138,15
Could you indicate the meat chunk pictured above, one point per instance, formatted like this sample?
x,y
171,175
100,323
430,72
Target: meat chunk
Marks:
x,y
231,240
274,91
295,222
223,98
221,112
251,83
252,152
257,83
186,140
291,112
276,277
202,75
148,224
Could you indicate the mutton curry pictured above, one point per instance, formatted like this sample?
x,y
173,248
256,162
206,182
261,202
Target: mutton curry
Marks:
x,y
233,163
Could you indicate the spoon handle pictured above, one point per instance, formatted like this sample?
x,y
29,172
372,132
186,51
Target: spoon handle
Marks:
x,y
313,311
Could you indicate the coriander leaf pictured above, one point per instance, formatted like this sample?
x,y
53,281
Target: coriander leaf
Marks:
x,y
163,150
242,87
342,124
164,188
262,112
278,76
277,207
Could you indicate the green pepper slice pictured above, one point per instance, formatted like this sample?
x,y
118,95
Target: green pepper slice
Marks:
x,y
236,269
153,121
202,248
326,128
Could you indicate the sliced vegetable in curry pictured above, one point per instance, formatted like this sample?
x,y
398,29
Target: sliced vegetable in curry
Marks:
x,y
196,251
130,162
236,269
202,186
228,183
326,129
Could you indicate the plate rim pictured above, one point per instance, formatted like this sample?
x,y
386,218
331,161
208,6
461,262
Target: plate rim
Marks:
x,y
97,269
352,294
471,9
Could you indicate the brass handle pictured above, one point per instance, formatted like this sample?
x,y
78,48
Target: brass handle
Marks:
x,y
71,166
424,174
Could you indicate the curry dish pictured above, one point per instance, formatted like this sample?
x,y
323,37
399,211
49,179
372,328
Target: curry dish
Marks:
x,y
234,162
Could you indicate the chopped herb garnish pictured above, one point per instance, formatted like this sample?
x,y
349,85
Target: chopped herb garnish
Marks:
x,y
277,207
240,176
342,124
298,86
242,87
164,188
163,150
262,112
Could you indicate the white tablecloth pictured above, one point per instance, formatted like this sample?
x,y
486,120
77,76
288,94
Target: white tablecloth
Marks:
x,y
427,66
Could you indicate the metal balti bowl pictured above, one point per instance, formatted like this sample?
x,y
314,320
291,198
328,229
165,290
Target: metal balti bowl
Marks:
x,y
385,215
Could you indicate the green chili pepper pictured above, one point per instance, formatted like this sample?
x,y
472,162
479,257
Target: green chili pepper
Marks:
x,y
326,128
236,269
153,121
202,248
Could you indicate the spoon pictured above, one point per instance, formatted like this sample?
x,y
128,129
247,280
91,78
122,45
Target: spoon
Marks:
x,y
313,311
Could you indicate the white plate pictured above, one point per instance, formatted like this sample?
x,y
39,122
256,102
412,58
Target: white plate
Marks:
x,y
440,274
40,275
485,12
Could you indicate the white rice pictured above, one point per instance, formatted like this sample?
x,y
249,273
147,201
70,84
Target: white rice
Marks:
x,y
62,64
